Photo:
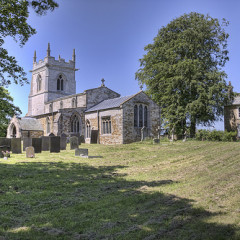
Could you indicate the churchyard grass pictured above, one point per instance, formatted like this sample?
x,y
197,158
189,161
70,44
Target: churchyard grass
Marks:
x,y
180,190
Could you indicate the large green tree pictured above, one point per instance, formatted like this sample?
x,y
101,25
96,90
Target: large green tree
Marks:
x,y
7,110
183,70
13,23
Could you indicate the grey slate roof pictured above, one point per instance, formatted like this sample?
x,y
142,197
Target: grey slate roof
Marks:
x,y
236,101
109,103
28,123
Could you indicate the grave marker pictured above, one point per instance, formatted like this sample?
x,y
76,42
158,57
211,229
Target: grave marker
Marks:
x,y
45,143
16,145
73,142
27,142
54,144
37,144
30,153
82,152
63,143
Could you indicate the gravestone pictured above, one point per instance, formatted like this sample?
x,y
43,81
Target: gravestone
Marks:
x,y
54,144
63,143
30,153
37,144
45,143
78,136
16,145
73,142
5,142
143,133
82,152
4,148
156,140
51,135
27,142
94,136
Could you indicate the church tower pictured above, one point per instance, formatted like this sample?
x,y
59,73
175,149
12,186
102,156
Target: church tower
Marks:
x,y
51,79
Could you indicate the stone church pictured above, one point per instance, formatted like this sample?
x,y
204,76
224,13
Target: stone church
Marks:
x,y
98,115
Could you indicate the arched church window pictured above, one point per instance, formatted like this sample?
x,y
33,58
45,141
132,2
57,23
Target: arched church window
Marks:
x,y
88,129
39,83
135,116
60,83
75,126
140,115
61,105
13,131
145,116
50,107
73,103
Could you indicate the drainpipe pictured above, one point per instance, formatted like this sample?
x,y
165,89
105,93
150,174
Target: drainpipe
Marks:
x,y
98,140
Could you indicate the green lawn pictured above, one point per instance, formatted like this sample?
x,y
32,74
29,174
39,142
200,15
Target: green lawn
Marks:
x,y
174,191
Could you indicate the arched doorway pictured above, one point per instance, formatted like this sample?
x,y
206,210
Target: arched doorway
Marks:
x,y
13,131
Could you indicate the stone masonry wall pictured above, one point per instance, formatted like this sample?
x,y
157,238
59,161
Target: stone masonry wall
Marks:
x,y
97,95
116,126
131,133
231,118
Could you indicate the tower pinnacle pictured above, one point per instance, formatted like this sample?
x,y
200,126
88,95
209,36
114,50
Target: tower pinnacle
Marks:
x,y
74,56
34,57
48,50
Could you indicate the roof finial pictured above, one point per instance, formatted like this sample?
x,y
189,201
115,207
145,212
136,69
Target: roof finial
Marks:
x,y
141,87
34,57
48,50
74,56
102,85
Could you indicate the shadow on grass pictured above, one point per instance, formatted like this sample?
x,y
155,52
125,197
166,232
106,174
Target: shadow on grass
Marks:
x,y
77,201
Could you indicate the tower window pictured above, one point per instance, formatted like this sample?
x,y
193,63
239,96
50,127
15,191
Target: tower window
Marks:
x,y
60,83
39,83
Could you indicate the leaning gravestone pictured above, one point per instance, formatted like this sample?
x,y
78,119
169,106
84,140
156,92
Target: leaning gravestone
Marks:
x,y
63,143
16,145
45,143
30,153
27,142
82,152
37,144
54,144
73,142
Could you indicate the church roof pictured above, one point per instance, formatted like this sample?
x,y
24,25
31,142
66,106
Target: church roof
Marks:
x,y
109,103
28,123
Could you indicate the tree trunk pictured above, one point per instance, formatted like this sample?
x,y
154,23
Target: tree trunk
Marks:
x,y
193,127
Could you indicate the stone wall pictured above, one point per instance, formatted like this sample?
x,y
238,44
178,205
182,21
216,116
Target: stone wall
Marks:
x,y
131,133
116,126
231,118
32,134
97,95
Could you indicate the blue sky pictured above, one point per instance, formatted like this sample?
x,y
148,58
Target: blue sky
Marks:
x,y
109,37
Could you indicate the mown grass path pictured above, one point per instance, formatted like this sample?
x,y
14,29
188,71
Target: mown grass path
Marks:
x,y
138,191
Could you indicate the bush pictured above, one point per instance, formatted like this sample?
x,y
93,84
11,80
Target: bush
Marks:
x,y
215,135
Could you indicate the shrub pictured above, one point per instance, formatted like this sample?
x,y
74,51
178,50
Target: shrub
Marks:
x,y
216,135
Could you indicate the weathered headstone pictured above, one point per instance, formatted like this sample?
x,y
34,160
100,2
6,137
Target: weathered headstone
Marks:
x,y
73,142
16,145
54,144
27,142
30,153
78,136
5,142
37,144
143,134
63,143
4,148
94,136
82,152
156,140
45,143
